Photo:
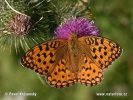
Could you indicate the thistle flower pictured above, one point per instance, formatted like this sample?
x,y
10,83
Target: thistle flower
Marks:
x,y
79,26
20,24
23,26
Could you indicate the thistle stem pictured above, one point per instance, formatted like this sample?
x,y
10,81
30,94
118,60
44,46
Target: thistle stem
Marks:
x,y
13,8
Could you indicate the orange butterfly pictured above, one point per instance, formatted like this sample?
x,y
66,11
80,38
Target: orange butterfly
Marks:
x,y
65,62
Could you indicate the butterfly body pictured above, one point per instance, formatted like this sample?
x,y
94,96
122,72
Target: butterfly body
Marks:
x,y
74,53
65,62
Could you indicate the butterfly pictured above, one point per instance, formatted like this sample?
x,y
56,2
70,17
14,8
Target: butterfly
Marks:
x,y
65,62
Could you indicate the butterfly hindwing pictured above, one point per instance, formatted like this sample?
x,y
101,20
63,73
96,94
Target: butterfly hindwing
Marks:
x,y
42,57
90,74
61,76
103,51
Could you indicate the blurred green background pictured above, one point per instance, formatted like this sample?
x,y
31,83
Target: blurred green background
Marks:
x,y
115,19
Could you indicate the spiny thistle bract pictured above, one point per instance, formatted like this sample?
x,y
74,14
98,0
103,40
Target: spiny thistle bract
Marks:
x,y
26,23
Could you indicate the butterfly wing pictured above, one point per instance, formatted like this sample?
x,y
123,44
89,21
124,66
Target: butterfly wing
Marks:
x,y
90,74
102,51
48,60
43,57
61,76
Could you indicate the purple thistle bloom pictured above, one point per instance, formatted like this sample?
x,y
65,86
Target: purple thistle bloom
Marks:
x,y
79,26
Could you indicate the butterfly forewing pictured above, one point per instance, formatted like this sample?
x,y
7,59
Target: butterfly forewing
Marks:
x,y
103,51
43,57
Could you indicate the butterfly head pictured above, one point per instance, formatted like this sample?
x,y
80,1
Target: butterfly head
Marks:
x,y
73,36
